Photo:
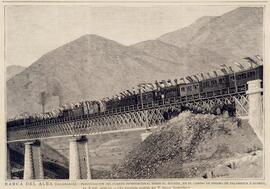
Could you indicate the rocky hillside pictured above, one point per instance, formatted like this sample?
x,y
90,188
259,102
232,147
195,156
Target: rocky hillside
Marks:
x,y
13,70
234,35
196,146
95,67
186,61
183,36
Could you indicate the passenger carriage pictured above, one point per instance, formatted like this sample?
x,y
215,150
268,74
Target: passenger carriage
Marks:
x,y
242,77
214,86
189,91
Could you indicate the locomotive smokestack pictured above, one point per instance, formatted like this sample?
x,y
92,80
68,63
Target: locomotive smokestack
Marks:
x,y
43,100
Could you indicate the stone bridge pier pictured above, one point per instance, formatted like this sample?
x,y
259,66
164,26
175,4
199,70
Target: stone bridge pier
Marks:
x,y
79,164
33,164
255,111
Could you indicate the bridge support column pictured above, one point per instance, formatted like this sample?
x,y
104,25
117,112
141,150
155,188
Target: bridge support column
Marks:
x,y
33,165
79,162
8,163
255,111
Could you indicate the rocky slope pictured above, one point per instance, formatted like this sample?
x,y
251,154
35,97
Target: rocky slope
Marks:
x,y
234,35
196,146
183,36
13,70
95,67
186,61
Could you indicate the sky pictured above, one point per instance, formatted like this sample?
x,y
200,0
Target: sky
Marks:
x,y
33,30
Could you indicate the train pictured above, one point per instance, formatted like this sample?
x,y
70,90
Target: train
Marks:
x,y
231,82
220,85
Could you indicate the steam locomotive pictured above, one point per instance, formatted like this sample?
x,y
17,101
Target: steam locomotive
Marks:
x,y
220,85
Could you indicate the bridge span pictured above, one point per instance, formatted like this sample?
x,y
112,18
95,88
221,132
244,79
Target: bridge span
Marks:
x,y
248,102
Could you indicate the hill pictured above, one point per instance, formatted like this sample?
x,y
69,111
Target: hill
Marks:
x,y
13,70
186,61
94,67
183,36
234,35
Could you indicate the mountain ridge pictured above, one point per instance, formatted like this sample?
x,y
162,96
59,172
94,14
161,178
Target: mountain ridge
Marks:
x,y
13,70
247,33
70,72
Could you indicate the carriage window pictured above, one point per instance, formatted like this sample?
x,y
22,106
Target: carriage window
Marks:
x,y
220,80
189,88
182,88
250,74
206,84
213,82
171,93
195,86
232,77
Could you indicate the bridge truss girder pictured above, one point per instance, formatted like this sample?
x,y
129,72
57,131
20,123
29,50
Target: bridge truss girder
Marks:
x,y
122,121
239,101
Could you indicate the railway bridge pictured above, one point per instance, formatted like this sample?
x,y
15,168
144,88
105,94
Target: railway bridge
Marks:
x,y
248,103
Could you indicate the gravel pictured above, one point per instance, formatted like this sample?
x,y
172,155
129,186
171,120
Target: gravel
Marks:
x,y
187,146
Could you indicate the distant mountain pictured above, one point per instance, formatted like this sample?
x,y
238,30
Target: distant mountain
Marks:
x,y
234,35
93,67
185,61
183,36
13,70
87,68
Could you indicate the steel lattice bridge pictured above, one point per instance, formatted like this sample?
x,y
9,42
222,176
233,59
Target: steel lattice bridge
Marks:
x,y
142,116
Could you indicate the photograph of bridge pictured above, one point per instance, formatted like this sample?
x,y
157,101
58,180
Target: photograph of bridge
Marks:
x,y
134,91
